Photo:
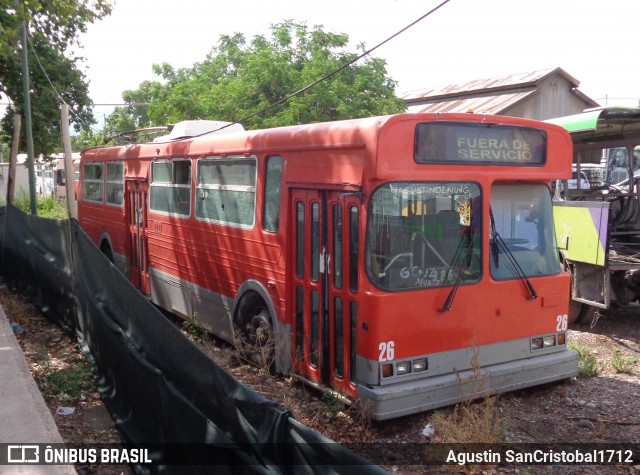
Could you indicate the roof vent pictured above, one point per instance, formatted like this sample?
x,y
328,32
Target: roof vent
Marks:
x,y
193,128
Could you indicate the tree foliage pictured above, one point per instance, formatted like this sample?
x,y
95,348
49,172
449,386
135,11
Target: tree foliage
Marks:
x,y
239,78
53,27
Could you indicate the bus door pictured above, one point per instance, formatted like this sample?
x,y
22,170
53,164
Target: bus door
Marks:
x,y
137,193
325,285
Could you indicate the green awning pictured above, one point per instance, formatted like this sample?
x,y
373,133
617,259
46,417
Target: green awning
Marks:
x,y
602,124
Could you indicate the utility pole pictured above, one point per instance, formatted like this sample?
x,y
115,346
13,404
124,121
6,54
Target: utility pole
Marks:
x,y
13,159
27,113
69,171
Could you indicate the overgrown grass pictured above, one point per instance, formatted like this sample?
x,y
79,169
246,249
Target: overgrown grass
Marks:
x,y
258,351
469,421
588,365
69,382
623,363
46,207
63,378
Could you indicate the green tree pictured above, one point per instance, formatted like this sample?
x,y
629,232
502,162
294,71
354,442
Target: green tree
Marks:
x,y
54,26
238,79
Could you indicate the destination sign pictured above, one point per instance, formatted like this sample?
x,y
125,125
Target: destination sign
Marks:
x,y
479,143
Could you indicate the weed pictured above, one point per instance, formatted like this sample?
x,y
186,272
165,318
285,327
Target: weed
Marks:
x,y
470,423
41,353
47,207
333,402
192,328
69,382
588,364
477,383
623,363
258,349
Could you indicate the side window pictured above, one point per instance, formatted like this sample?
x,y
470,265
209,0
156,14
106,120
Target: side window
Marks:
x,y
272,185
92,186
171,187
115,183
226,191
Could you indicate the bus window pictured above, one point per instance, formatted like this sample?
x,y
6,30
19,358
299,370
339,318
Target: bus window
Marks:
x,y
299,322
92,185
424,235
353,249
337,246
60,177
300,239
522,231
227,191
273,178
338,337
171,187
115,183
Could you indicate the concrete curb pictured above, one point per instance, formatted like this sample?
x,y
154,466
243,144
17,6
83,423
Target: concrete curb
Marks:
x,y
25,418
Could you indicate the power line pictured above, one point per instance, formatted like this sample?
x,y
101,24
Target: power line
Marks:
x,y
75,114
123,104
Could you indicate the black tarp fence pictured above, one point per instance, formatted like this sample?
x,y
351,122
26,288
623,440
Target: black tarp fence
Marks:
x,y
163,393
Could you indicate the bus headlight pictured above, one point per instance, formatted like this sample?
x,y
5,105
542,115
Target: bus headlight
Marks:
x,y
403,367
536,343
547,341
419,365
400,368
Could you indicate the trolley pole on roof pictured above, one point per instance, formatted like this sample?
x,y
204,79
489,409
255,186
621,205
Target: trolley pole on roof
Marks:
x,y
27,115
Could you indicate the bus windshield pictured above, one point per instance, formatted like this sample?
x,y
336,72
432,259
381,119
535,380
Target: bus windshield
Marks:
x,y
522,232
424,234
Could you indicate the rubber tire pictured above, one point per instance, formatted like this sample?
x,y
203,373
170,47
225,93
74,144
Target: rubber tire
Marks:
x,y
584,315
255,324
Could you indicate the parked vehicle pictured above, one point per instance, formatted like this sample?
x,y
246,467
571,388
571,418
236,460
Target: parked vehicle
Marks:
x,y
573,182
403,262
598,230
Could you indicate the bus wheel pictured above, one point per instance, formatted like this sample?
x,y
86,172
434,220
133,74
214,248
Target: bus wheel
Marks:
x,y
575,308
257,343
581,312
106,250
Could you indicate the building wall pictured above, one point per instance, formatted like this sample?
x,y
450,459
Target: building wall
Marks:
x,y
538,95
554,98
22,181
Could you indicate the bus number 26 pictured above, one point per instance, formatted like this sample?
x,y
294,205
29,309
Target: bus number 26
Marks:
x,y
562,321
387,352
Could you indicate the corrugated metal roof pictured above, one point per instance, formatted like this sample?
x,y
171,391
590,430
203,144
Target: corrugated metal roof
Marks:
x,y
485,104
512,81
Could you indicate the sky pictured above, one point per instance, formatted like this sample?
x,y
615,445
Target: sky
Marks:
x,y
596,42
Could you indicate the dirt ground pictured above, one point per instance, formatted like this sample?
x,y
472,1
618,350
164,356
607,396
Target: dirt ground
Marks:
x,y
601,408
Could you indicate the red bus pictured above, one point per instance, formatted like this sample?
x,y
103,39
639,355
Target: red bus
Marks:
x,y
406,262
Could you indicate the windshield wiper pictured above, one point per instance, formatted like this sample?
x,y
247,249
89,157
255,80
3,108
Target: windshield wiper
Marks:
x,y
498,245
465,264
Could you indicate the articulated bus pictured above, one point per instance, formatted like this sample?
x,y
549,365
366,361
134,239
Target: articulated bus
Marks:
x,y
404,262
